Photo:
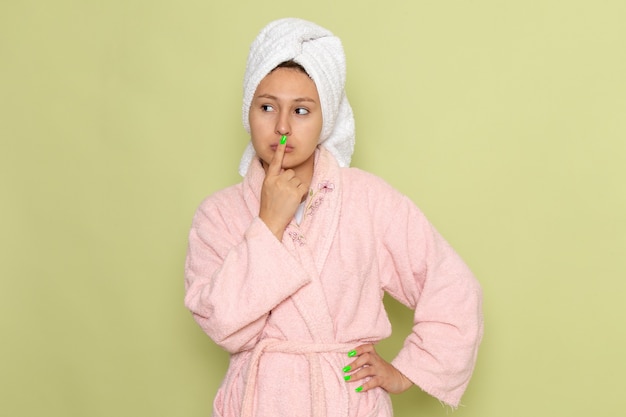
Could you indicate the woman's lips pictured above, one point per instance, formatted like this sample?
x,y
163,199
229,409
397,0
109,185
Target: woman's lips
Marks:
x,y
287,148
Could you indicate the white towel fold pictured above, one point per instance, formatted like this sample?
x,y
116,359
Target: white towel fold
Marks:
x,y
321,54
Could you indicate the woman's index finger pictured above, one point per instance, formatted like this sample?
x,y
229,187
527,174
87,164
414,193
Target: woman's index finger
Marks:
x,y
277,161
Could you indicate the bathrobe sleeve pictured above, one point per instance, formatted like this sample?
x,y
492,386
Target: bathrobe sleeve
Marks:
x,y
235,274
423,272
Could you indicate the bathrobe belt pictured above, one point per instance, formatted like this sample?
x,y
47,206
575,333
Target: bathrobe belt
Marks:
x,y
311,352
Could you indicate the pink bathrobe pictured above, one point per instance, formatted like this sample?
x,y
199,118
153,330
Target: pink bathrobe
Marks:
x,y
288,312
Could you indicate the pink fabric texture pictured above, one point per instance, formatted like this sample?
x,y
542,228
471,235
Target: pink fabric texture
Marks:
x,y
288,311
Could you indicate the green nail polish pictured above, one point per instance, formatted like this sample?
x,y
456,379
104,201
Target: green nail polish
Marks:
x,y
346,368
352,353
359,389
347,378
283,140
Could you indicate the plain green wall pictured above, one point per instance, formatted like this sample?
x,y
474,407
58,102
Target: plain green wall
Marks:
x,y
505,121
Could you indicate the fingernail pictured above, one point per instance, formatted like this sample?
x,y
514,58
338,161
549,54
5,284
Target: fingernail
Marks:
x,y
346,368
352,353
347,377
359,389
283,140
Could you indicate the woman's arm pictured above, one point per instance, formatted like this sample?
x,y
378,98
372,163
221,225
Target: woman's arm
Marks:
x,y
423,272
232,281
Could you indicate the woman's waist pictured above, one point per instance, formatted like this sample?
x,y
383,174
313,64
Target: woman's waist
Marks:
x,y
302,347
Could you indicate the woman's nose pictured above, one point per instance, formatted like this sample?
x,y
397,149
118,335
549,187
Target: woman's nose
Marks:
x,y
282,124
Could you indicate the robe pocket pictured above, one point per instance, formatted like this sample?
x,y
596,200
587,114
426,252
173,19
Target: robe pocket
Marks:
x,y
383,407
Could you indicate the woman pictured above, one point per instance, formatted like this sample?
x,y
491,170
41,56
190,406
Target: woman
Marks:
x,y
287,270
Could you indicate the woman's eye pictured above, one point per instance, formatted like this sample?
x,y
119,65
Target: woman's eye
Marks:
x,y
267,107
301,111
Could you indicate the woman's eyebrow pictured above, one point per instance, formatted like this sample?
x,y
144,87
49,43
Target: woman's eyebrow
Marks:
x,y
301,99
298,100
269,96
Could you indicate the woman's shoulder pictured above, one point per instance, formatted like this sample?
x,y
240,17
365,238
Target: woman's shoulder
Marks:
x,y
365,180
363,186
223,199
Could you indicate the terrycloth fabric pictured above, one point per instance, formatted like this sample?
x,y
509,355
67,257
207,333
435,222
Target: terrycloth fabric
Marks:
x,y
288,311
311,352
321,54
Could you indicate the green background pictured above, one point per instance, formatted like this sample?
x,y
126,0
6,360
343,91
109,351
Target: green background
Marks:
x,y
505,121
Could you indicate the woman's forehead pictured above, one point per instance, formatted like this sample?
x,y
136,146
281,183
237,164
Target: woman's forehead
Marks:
x,y
288,83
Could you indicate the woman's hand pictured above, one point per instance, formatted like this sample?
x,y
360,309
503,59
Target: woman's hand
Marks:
x,y
381,373
281,194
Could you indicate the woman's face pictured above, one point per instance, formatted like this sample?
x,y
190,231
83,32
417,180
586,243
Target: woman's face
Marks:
x,y
286,102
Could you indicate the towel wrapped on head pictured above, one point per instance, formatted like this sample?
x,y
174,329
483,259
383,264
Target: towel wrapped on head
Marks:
x,y
321,54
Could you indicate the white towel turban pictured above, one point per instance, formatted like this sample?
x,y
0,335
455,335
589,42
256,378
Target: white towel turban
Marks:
x,y
321,54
